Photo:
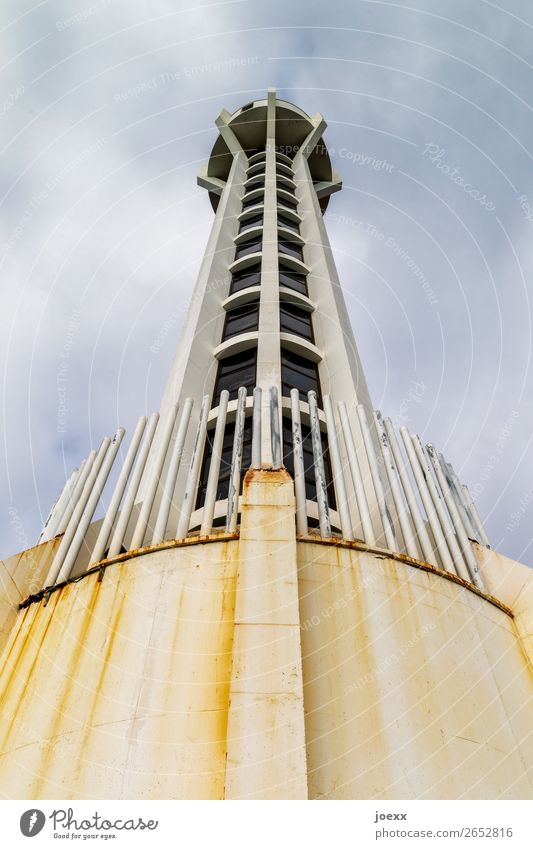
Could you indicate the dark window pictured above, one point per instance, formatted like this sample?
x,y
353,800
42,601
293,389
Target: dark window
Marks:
x,y
247,106
285,182
245,278
241,320
309,465
235,371
258,172
255,201
286,201
293,280
254,221
283,221
256,181
257,157
284,169
225,465
290,248
251,246
299,372
294,319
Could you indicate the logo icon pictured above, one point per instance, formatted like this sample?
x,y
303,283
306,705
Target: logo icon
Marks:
x,y
32,822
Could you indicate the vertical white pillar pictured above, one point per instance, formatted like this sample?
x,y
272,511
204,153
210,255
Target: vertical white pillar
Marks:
x,y
191,484
476,517
324,521
236,463
94,464
70,506
268,343
338,474
392,472
256,429
58,509
172,475
462,536
214,467
386,519
448,531
153,482
357,478
90,507
299,470
114,504
119,533
420,527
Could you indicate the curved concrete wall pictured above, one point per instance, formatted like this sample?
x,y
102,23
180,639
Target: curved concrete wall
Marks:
x,y
266,667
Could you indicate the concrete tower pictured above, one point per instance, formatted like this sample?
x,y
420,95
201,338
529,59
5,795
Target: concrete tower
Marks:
x,y
284,598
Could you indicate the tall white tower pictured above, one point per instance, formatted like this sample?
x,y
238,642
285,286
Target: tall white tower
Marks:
x,y
284,598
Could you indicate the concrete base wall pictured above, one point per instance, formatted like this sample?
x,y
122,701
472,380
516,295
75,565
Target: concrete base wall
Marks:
x,y
266,667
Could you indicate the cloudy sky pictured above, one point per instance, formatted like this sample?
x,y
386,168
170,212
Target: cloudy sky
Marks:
x,y
107,111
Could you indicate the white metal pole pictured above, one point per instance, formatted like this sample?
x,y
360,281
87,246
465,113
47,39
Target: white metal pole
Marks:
x,y
116,498
447,527
338,474
457,522
324,521
191,484
439,511
214,466
458,496
438,536
58,509
386,519
90,507
420,527
70,506
94,467
153,482
256,429
274,428
392,472
477,518
172,475
121,527
299,469
236,463
357,478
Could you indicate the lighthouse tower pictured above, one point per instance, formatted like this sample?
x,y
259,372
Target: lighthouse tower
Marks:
x,y
280,597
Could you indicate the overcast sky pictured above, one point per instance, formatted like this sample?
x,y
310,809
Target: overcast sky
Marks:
x,y
107,111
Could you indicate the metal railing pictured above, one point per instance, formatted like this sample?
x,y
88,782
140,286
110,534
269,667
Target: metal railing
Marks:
x,y
408,501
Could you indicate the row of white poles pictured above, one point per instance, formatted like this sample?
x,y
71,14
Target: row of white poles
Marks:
x,y
401,483
449,515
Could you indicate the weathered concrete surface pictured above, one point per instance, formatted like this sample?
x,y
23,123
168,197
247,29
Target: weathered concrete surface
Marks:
x,y
120,689
414,687
267,668
266,732
20,575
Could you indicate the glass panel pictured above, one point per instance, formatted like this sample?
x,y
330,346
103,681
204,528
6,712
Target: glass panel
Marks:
x,y
294,319
244,279
250,247
254,221
290,248
241,320
309,466
256,169
235,371
225,465
286,201
299,372
283,221
246,204
294,281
